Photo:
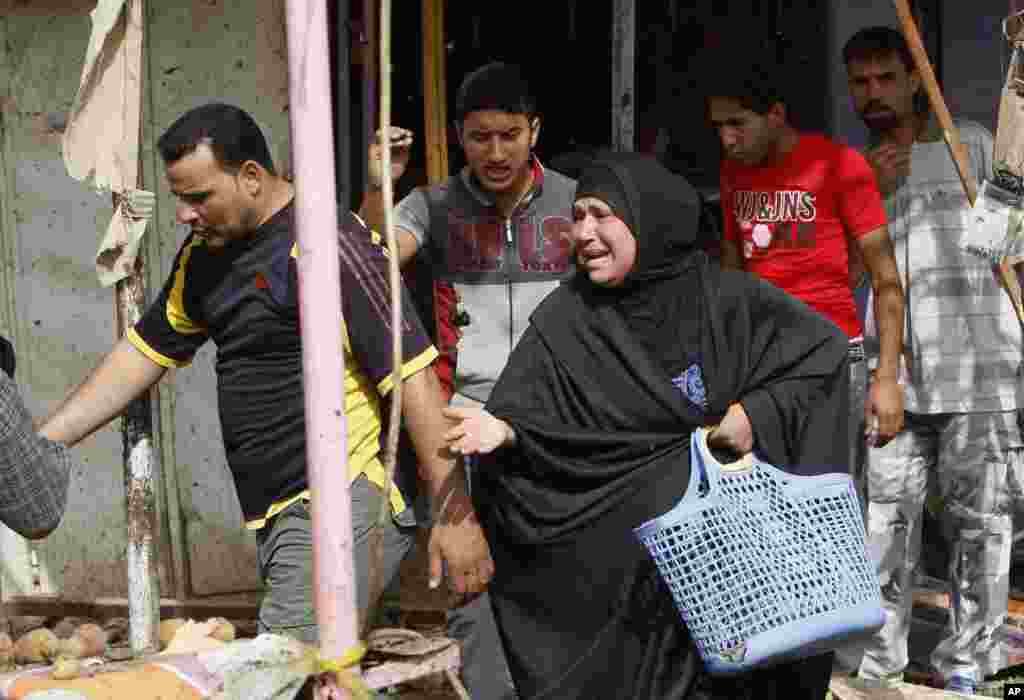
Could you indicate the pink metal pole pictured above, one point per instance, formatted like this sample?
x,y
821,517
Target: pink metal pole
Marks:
x,y
320,309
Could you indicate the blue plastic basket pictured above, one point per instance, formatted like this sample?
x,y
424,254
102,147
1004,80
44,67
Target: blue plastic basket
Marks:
x,y
764,566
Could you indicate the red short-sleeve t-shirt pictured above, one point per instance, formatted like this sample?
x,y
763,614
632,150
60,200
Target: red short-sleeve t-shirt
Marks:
x,y
792,221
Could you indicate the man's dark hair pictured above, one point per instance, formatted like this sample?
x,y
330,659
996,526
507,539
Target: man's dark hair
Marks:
x,y
753,81
877,42
230,132
495,86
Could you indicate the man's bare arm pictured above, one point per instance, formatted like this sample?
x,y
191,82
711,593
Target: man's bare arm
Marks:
x,y
124,375
456,535
879,258
885,397
372,212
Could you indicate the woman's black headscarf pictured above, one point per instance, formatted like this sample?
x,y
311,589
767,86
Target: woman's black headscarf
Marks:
x,y
662,211
603,427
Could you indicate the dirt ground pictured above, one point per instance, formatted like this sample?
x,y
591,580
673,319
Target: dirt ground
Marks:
x,y
415,606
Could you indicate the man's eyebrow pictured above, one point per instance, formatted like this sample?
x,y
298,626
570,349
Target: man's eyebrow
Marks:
x,y
487,132
193,194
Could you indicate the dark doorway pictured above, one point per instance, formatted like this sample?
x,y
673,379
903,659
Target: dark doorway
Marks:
x,y
565,51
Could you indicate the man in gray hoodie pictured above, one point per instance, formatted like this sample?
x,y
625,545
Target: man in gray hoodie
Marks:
x,y
496,232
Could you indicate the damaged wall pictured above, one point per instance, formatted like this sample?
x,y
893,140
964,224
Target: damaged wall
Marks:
x,y
62,322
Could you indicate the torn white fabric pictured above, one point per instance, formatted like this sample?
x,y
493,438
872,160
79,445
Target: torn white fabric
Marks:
x,y
119,248
102,135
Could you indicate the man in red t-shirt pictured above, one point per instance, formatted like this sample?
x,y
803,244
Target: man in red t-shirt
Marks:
x,y
793,204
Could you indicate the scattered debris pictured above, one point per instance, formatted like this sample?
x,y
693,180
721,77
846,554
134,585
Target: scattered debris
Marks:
x,y
195,636
223,629
71,648
22,624
121,652
66,626
404,642
64,669
36,647
6,652
168,628
117,630
93,640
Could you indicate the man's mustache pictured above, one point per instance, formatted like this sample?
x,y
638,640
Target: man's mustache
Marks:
x,y
876,106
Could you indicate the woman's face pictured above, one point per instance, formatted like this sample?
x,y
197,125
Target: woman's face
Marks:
x,y
605,247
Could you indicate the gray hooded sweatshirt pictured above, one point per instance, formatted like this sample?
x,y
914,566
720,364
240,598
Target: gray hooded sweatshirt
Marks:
x,y
500,268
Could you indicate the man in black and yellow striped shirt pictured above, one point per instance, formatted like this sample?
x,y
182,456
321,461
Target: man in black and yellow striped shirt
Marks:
x,y
234,281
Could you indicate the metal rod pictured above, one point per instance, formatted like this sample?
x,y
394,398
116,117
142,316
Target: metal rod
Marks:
x,y
141,466
323,363
141,460
623,75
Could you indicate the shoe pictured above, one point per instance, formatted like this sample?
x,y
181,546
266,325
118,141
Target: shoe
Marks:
x,y
963,683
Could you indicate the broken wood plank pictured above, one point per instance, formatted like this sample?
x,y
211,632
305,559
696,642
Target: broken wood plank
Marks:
x,y
402,671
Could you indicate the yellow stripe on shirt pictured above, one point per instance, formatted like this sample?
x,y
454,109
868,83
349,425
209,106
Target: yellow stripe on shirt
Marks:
x,y
145,348
176,315
410,368
363,428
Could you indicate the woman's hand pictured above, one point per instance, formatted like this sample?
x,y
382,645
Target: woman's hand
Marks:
x,y
475,431
734,433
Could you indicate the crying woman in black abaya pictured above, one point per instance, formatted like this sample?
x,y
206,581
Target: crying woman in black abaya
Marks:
x,y
586,435
606,253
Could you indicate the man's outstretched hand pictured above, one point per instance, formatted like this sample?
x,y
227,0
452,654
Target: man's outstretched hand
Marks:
x,y
458,540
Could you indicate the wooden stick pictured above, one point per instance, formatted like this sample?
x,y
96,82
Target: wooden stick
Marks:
x,y
435,93
394,275
935,99
1008,280
950,134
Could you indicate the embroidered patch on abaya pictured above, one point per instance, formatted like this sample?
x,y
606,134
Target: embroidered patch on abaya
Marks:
x,y
691,383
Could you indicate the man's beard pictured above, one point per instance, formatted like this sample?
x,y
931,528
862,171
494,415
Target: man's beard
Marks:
x,y
879,117
882,121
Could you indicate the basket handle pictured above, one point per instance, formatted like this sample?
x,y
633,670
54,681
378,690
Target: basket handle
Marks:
x,y
701,453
